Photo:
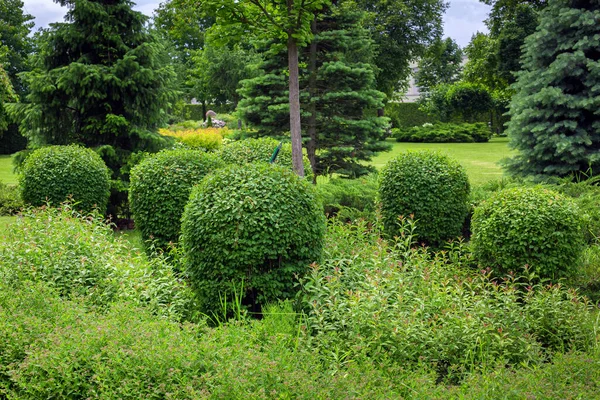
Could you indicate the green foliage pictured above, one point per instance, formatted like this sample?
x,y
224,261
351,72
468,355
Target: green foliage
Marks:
x,y
260,150
101,80
349,199
54,173
250,229
11,141
15,29
463,101
385,301
441,64
160,187
79,256
554,114
444,133
429,186
10,200
406,115
528,229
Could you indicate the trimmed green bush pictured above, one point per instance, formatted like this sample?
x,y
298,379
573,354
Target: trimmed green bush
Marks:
x,y
444,133
432,188
256,226
160,187
260,150
533,227
55,173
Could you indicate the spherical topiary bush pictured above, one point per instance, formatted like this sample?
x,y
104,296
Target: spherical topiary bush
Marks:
x,y
528,226
429,186
160,187
55,173
256,226
260,150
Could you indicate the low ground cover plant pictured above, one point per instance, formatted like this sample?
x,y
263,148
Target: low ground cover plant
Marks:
x,y
10,200
248,231
209,139
349,199
78,255
159,189
430,187
54,174
444,133
528,228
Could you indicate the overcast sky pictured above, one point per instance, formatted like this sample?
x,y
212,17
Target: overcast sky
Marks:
x,y
462,20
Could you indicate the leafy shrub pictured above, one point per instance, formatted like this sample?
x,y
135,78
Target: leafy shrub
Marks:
x,y
205,138
385,301
429,186
10,200
54,173
533,227
349,199
405,115
444,133
160,187
256,227
260,150
79,256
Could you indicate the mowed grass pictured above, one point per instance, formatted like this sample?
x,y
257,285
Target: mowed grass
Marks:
x,y
479,159
6,171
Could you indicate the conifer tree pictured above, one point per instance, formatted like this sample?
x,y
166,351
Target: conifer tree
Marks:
x,y
102,80
555,114
337,89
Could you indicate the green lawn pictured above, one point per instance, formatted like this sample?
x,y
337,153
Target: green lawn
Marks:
x,y
479,159
6,170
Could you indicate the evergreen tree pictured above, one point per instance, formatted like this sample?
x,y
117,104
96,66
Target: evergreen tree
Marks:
x,y
337,89
555,114
15,27
100,79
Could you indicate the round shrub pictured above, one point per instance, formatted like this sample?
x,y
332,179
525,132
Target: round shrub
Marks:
x,y
255,227
160,187
54,173
429,186
536,227
260,150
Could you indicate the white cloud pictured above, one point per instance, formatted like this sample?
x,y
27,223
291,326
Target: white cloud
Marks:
x,y
463,19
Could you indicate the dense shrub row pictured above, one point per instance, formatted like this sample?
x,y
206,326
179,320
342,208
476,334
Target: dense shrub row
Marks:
x,y
405,115
444,133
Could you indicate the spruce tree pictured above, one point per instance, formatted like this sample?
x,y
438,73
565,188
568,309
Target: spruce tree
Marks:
x,y
100,79
555,114
337,90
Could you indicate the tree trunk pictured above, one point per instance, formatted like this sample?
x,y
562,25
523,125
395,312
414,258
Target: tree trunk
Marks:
x,y
295,126
381,112
311,147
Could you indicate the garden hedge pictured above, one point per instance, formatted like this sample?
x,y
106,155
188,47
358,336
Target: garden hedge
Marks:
x,y
160,187
55,173
534,227
431,187
255,227
444,133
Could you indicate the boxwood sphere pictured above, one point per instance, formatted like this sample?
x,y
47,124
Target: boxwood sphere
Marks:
x,y
260,150
258,224
431,187
160,187
55,173
528,226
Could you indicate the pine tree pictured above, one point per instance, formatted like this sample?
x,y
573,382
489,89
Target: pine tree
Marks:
x,y
102,80
555,114
337,88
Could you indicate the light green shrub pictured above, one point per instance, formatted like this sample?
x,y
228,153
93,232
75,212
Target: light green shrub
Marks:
x,y
160,187
429,186
55,173
533,228
256,225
